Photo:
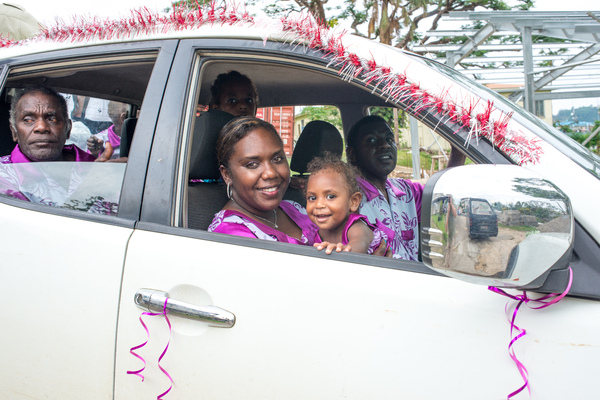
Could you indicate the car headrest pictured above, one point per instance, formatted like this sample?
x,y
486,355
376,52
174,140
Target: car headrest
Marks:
x,y
203,158
316,138
127,136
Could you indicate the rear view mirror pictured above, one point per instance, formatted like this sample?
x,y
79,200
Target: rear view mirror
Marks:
x,y
496,225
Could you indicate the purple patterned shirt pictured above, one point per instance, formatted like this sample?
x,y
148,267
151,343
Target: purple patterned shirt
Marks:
x,y
233,222
402,214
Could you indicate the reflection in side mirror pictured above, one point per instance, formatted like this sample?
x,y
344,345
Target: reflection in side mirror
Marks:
x,y
497,225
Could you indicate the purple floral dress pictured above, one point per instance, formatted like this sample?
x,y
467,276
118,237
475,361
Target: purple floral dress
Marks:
x,y
402,214
233,222
381,232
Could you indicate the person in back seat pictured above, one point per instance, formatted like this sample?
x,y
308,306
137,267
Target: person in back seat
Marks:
x,y
234,93
396,202
117,112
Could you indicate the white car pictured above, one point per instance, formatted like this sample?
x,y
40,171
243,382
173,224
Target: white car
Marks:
x,y
253,319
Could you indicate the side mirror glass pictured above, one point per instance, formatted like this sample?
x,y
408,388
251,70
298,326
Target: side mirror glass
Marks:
x,y
496,225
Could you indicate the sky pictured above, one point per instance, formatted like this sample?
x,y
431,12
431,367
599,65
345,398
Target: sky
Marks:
x,y
48,10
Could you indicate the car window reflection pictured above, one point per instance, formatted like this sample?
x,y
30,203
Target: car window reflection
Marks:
x,y
88,187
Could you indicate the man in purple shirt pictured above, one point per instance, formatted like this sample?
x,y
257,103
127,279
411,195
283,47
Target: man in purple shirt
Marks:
x,y
394,202
40,125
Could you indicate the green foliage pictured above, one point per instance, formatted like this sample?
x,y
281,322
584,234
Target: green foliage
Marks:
x,y
587,113
329,114
581,137
563,128
187,4
387,113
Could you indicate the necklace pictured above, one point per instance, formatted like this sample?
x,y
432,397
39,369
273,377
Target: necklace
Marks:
x,y
274,222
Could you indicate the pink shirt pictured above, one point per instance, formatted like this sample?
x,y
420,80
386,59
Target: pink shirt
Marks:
x,y
233,222
17,156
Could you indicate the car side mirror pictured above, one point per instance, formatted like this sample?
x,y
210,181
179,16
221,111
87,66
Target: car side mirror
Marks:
x,y
496,225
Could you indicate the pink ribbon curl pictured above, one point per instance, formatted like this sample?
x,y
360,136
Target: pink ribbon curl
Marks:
x,y
544,301
132,350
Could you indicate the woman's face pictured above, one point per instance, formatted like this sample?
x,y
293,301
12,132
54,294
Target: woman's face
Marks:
x,y
258,172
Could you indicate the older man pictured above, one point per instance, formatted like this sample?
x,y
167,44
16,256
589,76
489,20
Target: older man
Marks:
x,y
40,125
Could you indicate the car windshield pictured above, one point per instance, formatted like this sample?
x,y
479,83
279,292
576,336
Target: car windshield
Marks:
x,y
481,208
82,186
576,152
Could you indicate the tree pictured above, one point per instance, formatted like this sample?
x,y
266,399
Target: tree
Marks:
x,y
329,114
187,4
393,22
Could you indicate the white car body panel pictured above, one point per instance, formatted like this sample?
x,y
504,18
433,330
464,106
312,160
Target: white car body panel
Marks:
x,y
321,329
66,275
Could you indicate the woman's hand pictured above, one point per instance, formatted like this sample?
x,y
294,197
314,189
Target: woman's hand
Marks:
x,y
329,247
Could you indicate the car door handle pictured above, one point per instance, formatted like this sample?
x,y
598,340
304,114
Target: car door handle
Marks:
x,y
156,301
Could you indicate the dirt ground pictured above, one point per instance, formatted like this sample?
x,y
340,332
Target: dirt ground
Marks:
x,y
485,256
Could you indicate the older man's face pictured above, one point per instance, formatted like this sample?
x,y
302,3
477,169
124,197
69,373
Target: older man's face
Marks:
x,y
40,128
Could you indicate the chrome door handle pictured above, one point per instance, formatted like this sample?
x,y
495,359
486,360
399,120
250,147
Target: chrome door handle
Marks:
x,y
156,301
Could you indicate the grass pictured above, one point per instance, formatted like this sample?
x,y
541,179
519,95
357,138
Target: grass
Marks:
x,y
405,159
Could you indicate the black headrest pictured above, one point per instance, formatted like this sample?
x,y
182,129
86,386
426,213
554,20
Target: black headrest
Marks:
x,y
316,138
127,136
6,141
203,158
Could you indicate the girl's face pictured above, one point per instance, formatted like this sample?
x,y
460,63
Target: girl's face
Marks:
x,y
238,99
258,172
376,153
329,201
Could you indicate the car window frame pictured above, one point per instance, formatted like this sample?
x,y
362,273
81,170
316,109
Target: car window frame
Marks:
x,y
165,189
132,187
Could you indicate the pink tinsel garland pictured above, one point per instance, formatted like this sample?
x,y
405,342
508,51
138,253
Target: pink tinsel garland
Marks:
x,y
304,29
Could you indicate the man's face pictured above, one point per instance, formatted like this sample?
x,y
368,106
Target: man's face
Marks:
x,y
376,153
40,128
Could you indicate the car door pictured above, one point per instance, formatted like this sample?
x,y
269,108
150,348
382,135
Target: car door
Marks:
x,y
310,325
62,264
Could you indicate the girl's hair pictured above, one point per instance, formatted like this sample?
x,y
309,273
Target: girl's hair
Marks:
x,y
356,131
332,162
226,79
234,131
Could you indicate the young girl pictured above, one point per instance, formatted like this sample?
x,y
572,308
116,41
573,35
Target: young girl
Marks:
x,y
332,199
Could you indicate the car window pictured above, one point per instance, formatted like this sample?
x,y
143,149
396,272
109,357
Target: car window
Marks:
x,y
88,187
103,97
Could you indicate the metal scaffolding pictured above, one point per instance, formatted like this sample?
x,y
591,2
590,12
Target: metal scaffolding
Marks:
x,y
562,69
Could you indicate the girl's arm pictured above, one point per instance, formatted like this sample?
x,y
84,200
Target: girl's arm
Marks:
x,y
360,237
